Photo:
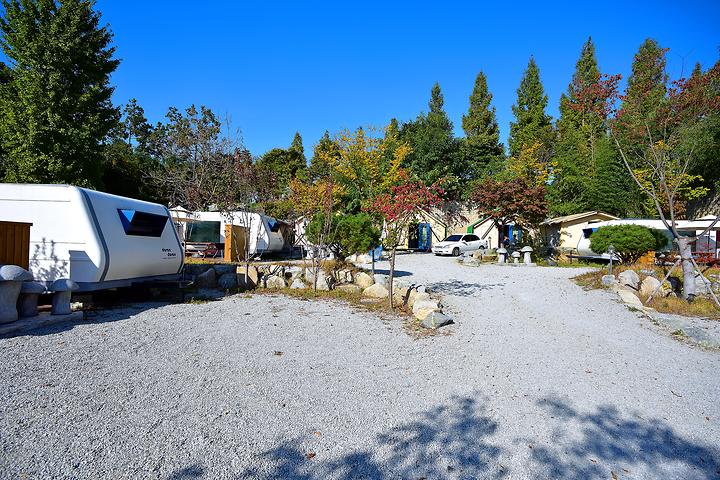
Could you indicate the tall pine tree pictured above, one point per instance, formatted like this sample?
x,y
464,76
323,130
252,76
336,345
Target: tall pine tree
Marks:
x,y
325,149
482,148
588,173
640,115
55,107
532,125
435,150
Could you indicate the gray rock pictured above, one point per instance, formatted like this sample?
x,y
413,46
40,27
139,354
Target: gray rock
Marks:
x,y
364,280
608,280
376,291
629,278
298,284
195,269
207,279
630,299
381,279
436,320
228,280
275,281
420,305
349,288
649,285
14,273
222,269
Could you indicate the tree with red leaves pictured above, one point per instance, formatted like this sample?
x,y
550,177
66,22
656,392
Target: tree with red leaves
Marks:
x,y
655,143
400,208
511,201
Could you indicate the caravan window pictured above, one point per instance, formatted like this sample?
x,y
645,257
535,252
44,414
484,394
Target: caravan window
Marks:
x,y
274,225
142,224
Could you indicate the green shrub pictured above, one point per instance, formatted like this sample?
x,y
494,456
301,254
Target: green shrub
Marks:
x,y
630,241
348,234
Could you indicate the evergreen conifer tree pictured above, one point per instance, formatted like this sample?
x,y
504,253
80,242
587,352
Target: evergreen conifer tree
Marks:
x,y
55,107
482,148
532,125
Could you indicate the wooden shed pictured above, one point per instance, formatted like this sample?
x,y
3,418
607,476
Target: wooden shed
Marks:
x,y
15,243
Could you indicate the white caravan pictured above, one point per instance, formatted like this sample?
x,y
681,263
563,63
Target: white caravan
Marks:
x,y
684,227
96,239
265,234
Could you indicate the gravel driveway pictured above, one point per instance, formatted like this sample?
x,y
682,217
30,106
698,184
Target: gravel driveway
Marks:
x,y
537,379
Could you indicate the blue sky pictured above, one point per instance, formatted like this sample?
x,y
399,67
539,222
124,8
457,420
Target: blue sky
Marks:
x,y
276,68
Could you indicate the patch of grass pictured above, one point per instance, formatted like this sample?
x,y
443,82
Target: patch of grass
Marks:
x,y
199,300
700,307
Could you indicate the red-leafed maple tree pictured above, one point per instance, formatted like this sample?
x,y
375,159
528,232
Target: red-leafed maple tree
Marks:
x,y
511,201
401,207
656,153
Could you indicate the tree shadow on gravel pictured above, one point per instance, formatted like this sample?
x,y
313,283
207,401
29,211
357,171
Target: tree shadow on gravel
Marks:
x,y
462,289
450,441
607,444
187,473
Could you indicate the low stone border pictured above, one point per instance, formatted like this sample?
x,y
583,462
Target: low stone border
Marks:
x,y
426,307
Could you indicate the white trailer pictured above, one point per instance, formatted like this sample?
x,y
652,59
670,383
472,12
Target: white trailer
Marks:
x,y
96,239
684,227
265,234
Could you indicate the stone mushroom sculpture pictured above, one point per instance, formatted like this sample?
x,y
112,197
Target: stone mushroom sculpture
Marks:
x,y
516,257
527,250
502,254
63,289
11,278
28,302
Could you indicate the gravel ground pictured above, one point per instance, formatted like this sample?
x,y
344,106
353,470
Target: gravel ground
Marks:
x,y
537,379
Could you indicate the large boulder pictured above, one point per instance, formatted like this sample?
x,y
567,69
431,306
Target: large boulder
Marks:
x,y
424,306
364,258
376,291
297,284
649,285
436,320
324,282
608,280
630,279
207,279
228,280
381,279
630,299
363,280
349,288
275,281
222,269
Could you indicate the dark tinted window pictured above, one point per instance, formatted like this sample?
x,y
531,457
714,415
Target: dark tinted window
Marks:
x,y
471,238
274,225
453,238
141,223
203,232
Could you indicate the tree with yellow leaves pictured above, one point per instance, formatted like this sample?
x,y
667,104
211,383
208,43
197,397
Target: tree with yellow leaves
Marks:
x,y
530,165
365,164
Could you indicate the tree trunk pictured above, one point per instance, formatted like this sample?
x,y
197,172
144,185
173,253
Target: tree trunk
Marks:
x,y
688,269
392,274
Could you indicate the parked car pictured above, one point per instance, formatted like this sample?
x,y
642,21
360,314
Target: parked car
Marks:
x,y
456,244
